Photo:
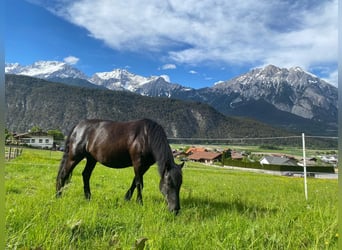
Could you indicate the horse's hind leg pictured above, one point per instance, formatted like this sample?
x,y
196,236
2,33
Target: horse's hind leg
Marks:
x,y
91,162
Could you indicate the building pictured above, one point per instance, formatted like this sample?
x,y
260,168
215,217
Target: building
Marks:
x,y
35,139
194,150
205,157
278,160
332,159
308,162
236,155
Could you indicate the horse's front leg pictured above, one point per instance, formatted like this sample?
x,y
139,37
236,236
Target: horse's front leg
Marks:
x,y
139,171
140,186
86,176
136,183
130,191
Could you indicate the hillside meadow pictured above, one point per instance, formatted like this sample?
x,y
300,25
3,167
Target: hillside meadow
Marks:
x,y
220,209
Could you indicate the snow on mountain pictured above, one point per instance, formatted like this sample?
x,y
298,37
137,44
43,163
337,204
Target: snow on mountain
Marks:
x,y
45,70
12,68
160,87
271,74
119,79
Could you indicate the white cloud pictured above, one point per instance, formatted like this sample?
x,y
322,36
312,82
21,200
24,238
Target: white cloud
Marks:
x,y
284,33
168,66
72,60
193,72
166,78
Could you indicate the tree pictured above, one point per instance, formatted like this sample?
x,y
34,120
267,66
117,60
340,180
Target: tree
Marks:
x,y
8,135
36,129
57,134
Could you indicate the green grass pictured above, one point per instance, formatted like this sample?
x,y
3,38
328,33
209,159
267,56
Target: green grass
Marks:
x,y
221,209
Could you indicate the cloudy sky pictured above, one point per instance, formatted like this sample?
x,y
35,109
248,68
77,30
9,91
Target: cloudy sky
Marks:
x,y
194,43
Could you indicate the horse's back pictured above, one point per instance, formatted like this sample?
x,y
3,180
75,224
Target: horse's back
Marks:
x,y
111,143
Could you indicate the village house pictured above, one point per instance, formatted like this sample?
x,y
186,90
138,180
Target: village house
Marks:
x,y
278,160
332,159
205,157
308,162
236,155
35,139
192,150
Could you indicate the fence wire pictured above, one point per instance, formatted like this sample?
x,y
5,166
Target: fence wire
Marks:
x,y
317,141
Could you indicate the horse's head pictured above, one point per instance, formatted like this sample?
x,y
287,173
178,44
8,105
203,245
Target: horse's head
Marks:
x,y
170,184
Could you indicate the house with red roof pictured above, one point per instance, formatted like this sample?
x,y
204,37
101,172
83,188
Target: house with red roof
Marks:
x,y
205,157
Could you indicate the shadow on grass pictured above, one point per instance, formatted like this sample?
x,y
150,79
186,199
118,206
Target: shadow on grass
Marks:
x,y
213,208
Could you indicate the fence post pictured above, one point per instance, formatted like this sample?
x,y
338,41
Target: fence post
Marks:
x,y
304,165
10,153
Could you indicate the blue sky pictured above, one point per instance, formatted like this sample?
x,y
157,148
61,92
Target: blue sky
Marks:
x,y
194,43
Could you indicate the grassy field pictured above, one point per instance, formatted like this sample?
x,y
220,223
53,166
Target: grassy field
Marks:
x,y
221,209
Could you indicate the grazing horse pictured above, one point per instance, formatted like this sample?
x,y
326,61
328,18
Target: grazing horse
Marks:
x,y
138,143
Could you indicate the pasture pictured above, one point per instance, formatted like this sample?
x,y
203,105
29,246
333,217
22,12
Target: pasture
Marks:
x,y
220,209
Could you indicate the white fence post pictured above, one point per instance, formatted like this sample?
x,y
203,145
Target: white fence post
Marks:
x,y
304,165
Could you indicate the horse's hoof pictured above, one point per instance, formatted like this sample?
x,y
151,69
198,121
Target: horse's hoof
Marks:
x,y
128,196
175,212
58,194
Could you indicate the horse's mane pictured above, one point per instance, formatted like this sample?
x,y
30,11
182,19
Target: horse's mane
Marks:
x,y
159,145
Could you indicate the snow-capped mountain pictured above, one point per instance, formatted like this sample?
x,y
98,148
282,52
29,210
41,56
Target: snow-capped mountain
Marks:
x,y
292,90
13,68
278,96
119,79
45,70
159,87
290,98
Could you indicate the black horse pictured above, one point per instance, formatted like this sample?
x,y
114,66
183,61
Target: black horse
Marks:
x,y
119,145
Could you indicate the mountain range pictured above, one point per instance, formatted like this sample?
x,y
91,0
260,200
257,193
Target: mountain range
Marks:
x,y
48,105
289,98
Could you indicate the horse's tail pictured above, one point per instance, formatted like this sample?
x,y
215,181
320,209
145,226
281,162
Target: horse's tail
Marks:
x,y
63,176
